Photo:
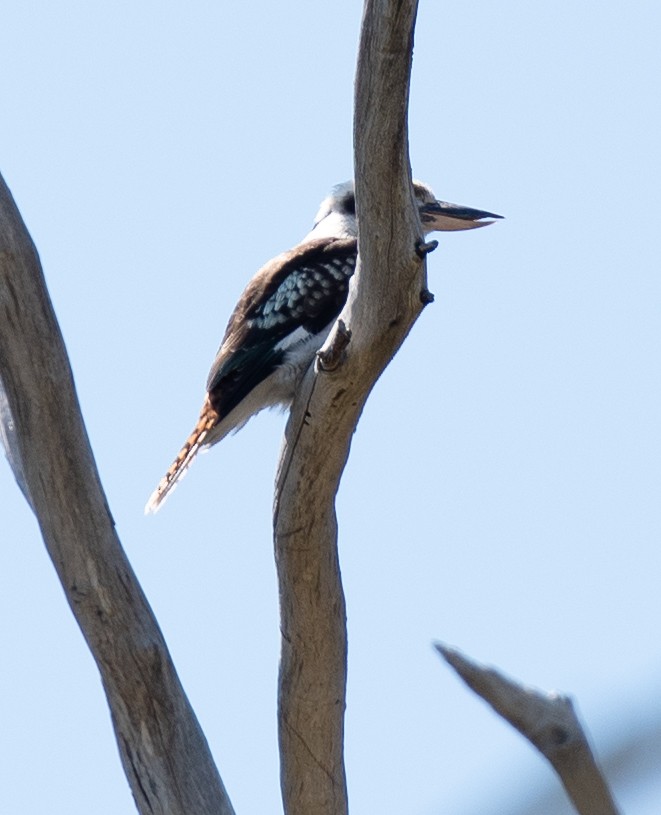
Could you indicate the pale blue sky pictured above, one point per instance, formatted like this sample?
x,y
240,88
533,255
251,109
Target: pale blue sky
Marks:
x,y
503,489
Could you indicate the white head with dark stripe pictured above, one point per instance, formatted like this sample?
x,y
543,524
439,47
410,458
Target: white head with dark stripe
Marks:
x,y
337,214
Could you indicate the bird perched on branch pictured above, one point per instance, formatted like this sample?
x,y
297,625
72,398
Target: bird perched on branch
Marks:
x,y
284,316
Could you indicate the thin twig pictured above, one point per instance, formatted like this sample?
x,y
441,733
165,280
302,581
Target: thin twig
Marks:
x,y
549,722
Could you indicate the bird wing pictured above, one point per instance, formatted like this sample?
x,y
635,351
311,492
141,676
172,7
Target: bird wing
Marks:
x,y
296,294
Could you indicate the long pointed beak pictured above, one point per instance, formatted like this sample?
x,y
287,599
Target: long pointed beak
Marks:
x,y
443,217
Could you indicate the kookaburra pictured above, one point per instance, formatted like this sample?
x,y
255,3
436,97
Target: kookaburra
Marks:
x,y
284,316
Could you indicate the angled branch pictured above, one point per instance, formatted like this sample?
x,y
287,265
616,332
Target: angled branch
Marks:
x,y
549,722
384,301
165,755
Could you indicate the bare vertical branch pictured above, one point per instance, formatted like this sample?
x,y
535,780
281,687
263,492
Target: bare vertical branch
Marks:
x,y
163,750
384,301
381,153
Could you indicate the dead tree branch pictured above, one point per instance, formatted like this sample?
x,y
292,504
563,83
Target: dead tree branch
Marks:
x,y
550,723
384,301
165,755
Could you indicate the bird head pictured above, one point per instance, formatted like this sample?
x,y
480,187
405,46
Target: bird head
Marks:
x,y
337,213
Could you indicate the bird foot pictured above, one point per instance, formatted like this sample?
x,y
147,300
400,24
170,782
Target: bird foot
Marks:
x,y
422,249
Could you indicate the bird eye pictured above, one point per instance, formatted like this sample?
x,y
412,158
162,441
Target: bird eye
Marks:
x,y
350,205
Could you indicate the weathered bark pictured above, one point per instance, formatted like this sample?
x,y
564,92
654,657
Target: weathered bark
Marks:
x,y
386,297
163,750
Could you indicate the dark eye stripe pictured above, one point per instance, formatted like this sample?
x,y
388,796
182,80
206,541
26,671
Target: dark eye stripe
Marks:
x,y
349,204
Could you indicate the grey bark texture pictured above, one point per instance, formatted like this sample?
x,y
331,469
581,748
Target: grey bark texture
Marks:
x,y
9,438
550,723
163,750
385,298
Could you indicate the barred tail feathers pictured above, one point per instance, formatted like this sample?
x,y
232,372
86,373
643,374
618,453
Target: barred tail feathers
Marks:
x,y
208,419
